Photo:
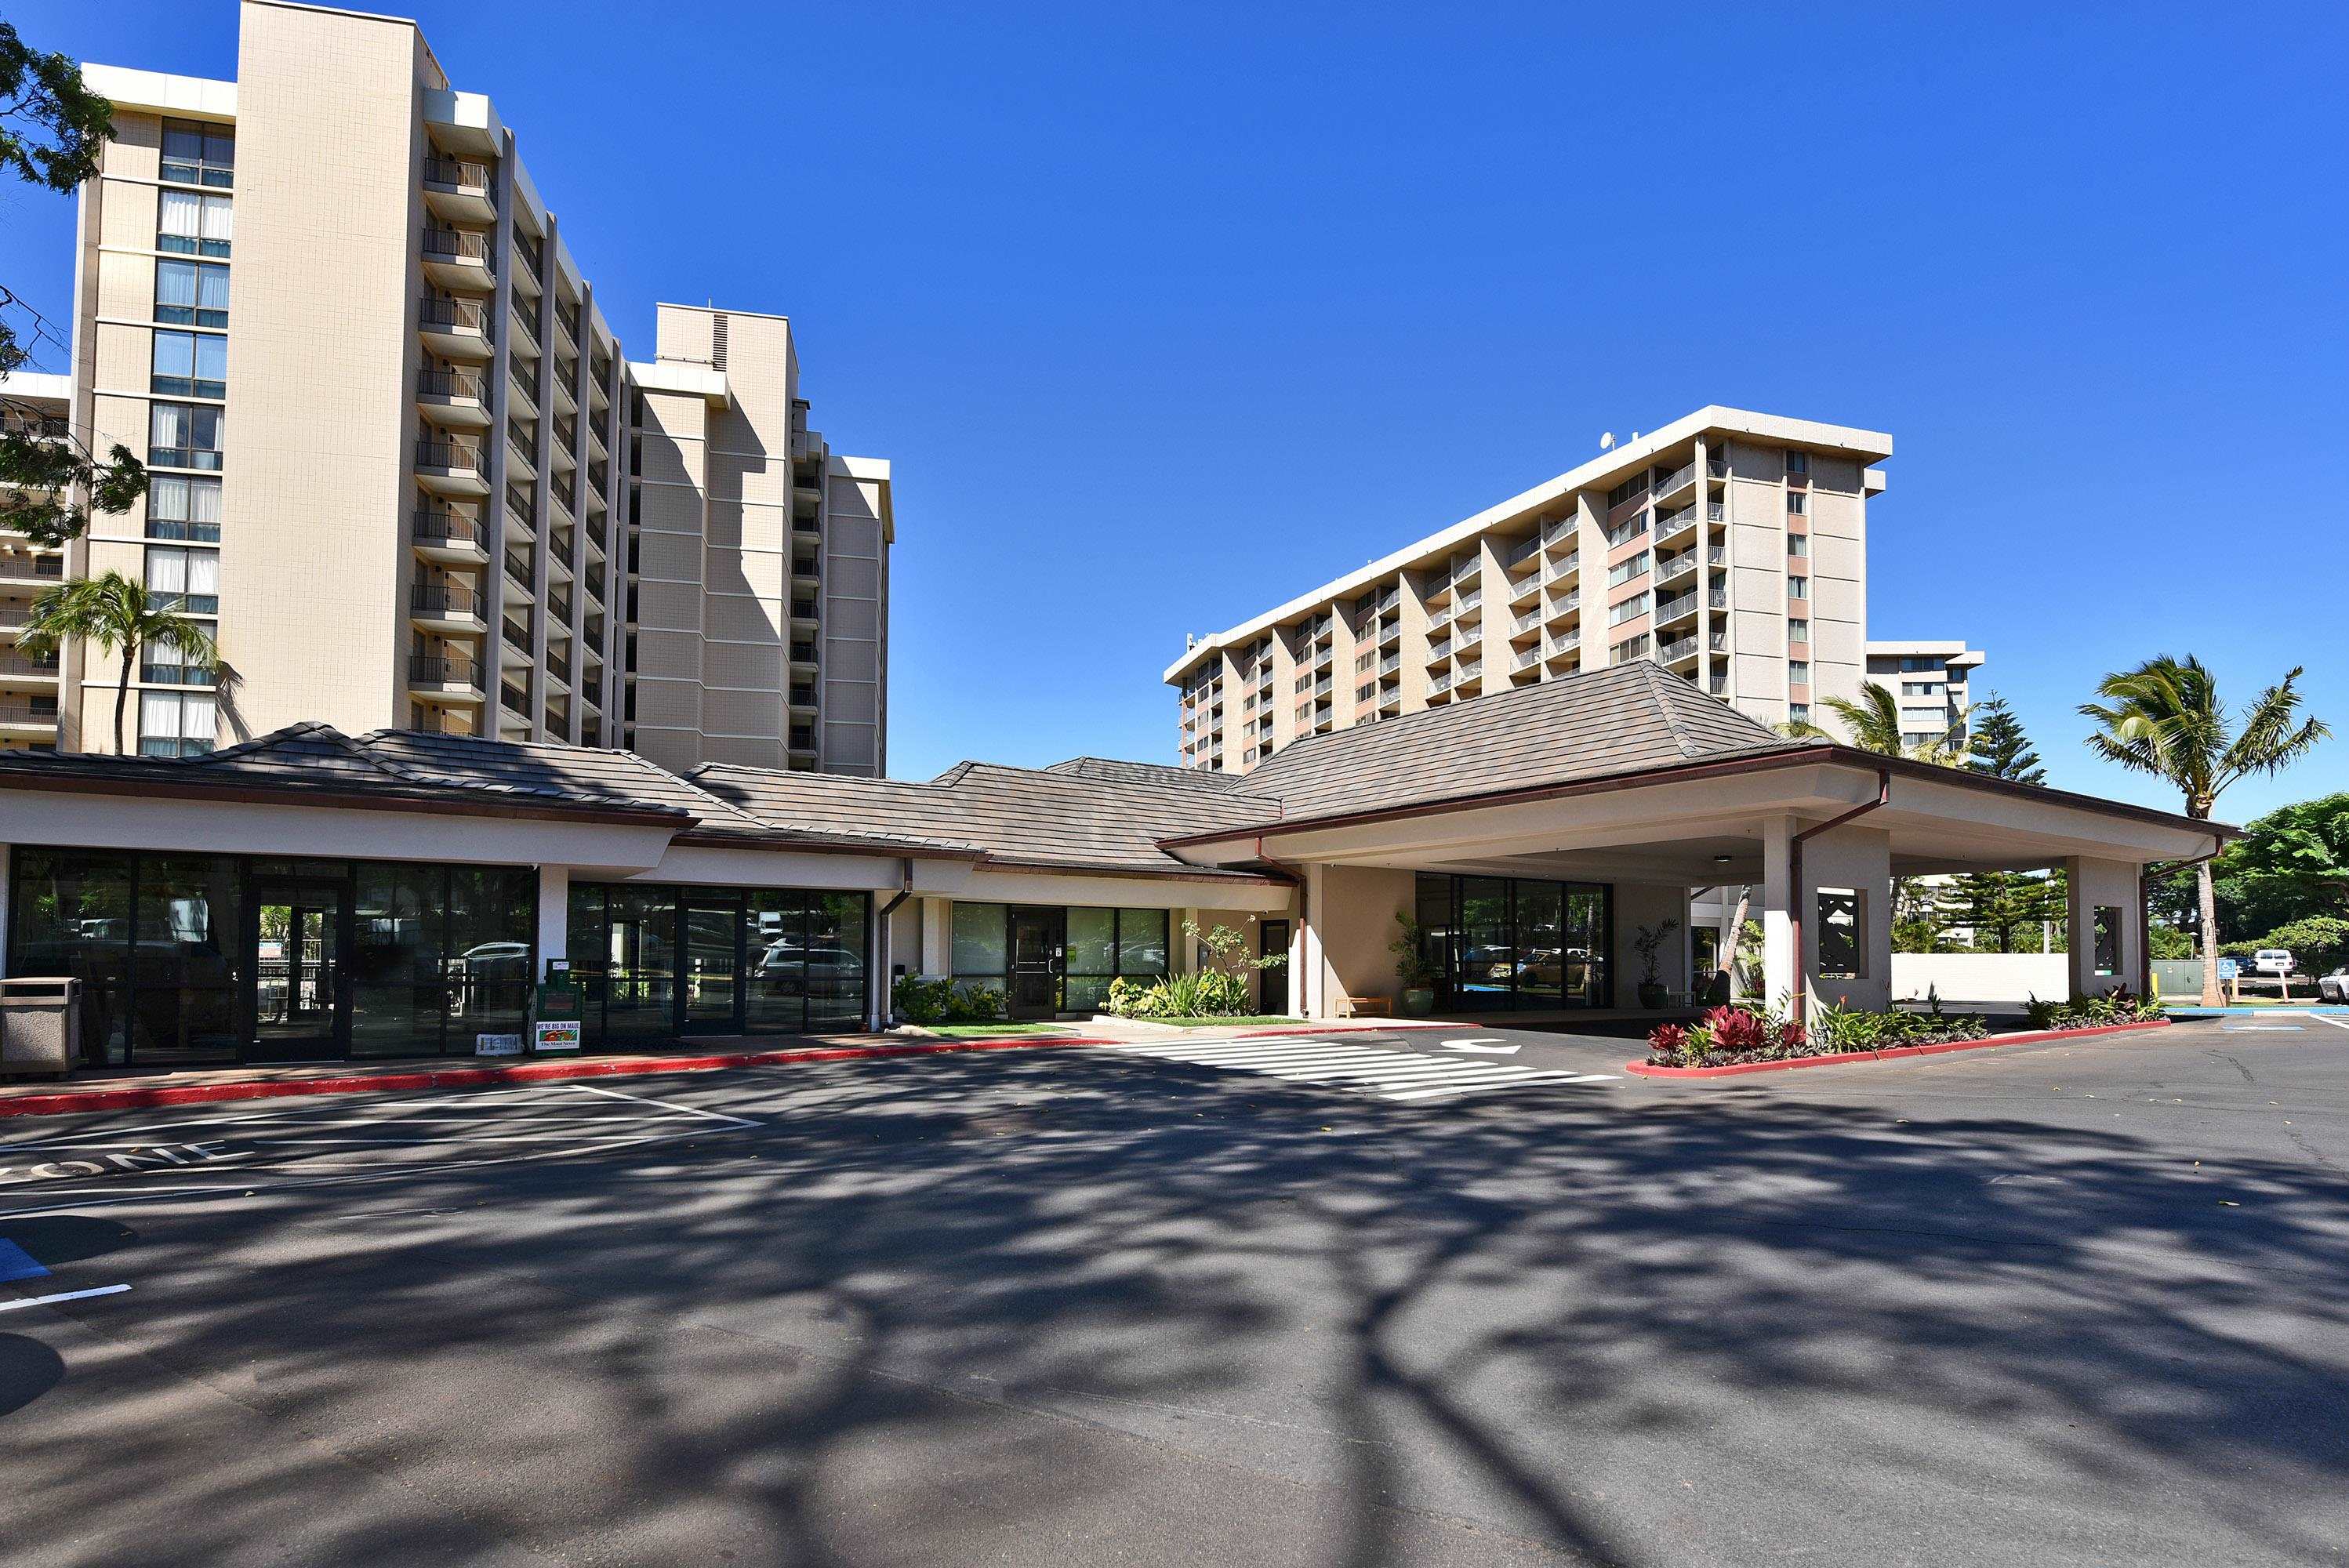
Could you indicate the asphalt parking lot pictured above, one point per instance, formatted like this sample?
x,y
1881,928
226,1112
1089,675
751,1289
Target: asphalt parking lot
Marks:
x,y
1303,1302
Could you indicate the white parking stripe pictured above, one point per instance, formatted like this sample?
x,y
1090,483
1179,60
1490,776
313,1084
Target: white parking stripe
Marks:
x,y
2329,1018
1391,1074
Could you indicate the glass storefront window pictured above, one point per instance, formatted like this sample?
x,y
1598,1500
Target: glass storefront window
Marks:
x,y
1092,959
652,961
981,945
1504,943
1142,944
185,970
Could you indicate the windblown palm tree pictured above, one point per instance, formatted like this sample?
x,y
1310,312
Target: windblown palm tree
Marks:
x,y
115,613
2165,718
1874,725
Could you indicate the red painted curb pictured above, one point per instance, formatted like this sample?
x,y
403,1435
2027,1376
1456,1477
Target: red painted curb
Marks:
x,y
66,1101
2032,1037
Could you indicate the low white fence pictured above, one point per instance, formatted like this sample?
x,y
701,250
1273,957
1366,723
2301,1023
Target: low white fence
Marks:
x,y
1965,978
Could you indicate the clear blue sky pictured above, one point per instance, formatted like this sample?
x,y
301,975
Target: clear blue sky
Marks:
x,y
1165,314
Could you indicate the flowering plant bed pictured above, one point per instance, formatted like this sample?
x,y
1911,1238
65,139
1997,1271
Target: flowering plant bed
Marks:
x,y
1651,1069
2119,1005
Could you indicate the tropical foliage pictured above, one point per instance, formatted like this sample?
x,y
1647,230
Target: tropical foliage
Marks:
x,y
916,1000
115,613
1219,988
51,129
1999,747
2100,1012
1873,723
2165,718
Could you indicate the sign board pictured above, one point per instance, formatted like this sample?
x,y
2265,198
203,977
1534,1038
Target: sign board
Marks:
x,y
560,1036
497,1045
2229,968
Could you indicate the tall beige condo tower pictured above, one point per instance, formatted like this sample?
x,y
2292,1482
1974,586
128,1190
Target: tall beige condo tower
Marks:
x,y
1730,547
763,561
390,429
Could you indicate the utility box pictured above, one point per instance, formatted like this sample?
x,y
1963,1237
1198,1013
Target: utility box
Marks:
x,y
40,1024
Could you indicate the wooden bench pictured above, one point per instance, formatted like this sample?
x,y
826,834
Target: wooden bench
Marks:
x,y
1369,1007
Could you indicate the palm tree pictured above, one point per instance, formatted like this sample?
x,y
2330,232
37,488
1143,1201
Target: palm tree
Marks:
x,y
1874,724
115,613
2165,718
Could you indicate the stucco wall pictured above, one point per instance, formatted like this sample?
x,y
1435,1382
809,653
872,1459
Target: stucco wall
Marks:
x,y
1637,904
1981,977
1350,920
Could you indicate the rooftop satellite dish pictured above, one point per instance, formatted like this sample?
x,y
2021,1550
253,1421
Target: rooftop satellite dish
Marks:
x,y
1606,442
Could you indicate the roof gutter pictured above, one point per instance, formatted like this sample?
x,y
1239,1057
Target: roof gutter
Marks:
x,y
1801,1001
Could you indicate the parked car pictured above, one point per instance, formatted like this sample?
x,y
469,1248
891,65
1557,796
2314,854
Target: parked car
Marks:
x,y
2272,960
2334,987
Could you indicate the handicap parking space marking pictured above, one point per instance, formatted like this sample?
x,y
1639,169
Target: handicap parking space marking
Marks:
x,y
1399,1076
24,1302
2329,1018
326,1144
2262,1029
1489,1045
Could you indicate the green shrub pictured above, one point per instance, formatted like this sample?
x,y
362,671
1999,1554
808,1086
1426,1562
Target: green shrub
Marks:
x,y
925,1000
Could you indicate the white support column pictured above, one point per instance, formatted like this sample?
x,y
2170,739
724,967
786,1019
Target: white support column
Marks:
x,y
1856,857
2111,887
553,916
1311,977
936,955
1778,901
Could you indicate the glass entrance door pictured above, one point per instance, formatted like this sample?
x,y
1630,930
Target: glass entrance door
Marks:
x,y
300,933
713,964
1040,943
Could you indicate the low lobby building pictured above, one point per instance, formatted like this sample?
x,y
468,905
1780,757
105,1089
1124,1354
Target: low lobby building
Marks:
x,y
311,895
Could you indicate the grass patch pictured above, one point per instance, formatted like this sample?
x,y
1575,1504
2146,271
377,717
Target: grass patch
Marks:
x,y
984,1031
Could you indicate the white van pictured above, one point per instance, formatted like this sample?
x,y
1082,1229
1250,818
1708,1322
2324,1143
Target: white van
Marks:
x,y
2272,960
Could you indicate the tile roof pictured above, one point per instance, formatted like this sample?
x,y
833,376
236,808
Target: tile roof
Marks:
x,y
1076,820
389,765
1594,724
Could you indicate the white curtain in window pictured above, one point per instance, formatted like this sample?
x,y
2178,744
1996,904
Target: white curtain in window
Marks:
x,y
182,214
203,501
158,716
161,654
219,219
168,498
167,425
212,291
203,572
167,573
197,718
175,285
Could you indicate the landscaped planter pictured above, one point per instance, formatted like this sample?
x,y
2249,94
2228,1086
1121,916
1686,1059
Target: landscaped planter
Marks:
x,y
2029,1038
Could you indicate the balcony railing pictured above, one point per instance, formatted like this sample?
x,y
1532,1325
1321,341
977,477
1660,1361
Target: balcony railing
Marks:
x,y
457,244
558,608
1679,566
1717,468
446,599
558,665
458,314
1672,609
27,713
1526,622
427,526
456,456
1673,481
518,569
26,664
562,548
1527,660
438,383
567,491
34,569
435,669
566,432
529,332
459,174
1678,648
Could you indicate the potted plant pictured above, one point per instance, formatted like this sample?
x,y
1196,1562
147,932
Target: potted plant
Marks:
x,y
1648,940
1412,968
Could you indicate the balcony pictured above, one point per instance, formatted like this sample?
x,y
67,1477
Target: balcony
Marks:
x,y
558,608
449,607
1670,609
461,191
454,328
450,467
531,251
1678,567
558,666
1560,534
1529,622
436,677
1670,528
559,546
453,399
1528,659
20,669
1562,607
1565,643
1676,650
448,537
459,259
567,434
565,488
28,721
17,567
1672,483
526,336
518,579
1716,468
521,452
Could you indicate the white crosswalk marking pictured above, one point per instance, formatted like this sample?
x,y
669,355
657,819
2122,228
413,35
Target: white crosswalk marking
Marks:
x,y
1381,1072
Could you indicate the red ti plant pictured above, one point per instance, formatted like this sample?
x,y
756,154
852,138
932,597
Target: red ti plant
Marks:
x,y
1667,1039
1736,1029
